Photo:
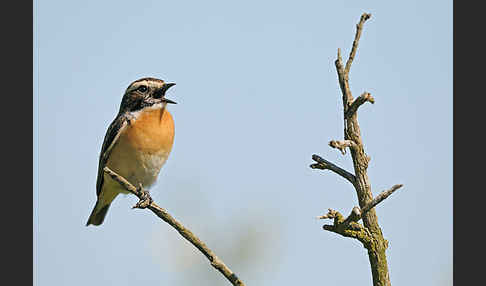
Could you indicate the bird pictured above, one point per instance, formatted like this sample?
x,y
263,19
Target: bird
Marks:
x,y
137,143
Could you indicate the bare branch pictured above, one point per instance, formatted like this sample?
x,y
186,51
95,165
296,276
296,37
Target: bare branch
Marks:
x,y
122,181
342,80
359,28
339,63
357,103
330,214
346,228
341,145
383,195
326,165
357,213
186,233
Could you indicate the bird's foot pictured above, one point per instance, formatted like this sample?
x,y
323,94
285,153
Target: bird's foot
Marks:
x,y
145,199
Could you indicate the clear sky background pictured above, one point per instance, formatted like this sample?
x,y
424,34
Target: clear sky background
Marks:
x,y
258,95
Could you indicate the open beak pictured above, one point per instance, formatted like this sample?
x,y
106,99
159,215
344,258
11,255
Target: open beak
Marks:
x,y
168,100
161,92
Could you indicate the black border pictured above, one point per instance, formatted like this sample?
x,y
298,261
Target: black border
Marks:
x,y
469,126
17,140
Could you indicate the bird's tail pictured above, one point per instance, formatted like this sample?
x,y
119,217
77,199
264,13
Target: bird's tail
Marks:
x,y
98,213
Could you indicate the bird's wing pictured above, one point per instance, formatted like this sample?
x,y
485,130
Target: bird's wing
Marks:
x,y
111,138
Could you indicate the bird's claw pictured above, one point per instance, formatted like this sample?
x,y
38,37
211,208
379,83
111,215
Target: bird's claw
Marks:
x,y
145,198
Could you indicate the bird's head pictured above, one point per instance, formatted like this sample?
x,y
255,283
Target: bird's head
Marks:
x,y
145,92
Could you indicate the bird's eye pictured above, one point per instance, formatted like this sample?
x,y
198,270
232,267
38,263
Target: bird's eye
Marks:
x,y
142,88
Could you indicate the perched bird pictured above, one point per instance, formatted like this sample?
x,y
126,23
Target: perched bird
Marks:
x,y
137,142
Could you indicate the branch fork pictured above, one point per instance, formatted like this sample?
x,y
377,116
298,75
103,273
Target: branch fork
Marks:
x,y
356,212
346,227
360,100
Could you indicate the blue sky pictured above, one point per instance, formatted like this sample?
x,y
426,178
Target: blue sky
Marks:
x,y
258,95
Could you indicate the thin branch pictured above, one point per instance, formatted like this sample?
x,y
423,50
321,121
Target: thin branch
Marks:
x,y
339,64
359,28
378,199
330,214
186,233
339,61
341,145
357,213
360,100
326,165
342,82
343,72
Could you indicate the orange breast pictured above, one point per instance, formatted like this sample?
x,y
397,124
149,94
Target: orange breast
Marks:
x,y
152,132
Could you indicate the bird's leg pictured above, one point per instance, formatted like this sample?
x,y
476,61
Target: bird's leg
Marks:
x,y
145,199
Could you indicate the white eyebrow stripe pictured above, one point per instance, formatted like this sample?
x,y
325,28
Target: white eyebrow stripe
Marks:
x,y
153,84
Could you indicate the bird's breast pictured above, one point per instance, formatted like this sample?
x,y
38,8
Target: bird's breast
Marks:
x,y
143,147
151,132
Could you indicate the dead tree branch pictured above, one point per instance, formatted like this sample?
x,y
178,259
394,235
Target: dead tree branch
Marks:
x,y
360,100
346,227
356,212
146,202
380,198
369,232
341,145
359,28
326,165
